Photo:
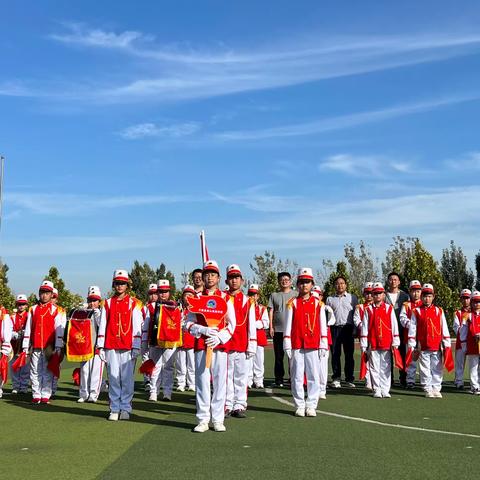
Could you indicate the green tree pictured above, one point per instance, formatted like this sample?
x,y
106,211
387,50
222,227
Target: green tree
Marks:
x,y
477,269
397,255
66,298
268,287
141,276
7,298
421,265
454,268
340,270
361,266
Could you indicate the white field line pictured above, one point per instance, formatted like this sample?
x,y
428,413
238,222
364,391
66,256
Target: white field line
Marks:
x,y
269,392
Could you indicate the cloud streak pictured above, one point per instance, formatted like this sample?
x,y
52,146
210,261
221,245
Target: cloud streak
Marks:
x,y
151,130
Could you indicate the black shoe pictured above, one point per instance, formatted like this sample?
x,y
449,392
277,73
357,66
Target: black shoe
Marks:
x,y
239,414
278,385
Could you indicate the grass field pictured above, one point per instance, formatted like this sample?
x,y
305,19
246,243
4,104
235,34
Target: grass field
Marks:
x,y
75,441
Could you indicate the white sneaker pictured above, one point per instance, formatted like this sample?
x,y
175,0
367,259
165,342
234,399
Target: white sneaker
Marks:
x,y
124,415
386,395
377,394
152,397
350,384
201,428
81,400
311,412
180,389
219,427
476,392
113,417
300,412
437,394
429,394
336,384
191,389
92,399
322,396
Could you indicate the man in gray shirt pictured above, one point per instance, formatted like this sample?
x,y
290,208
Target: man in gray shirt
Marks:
x,y
343,305
277,313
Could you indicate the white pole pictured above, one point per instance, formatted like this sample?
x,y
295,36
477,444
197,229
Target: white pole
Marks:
x,y
2,165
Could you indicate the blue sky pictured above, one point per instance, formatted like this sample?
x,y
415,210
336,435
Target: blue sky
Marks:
x,y
128,127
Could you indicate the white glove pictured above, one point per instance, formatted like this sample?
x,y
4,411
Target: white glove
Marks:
x,y
101,355
207,331
212,341
25,350
5,351
259,324
322,353
363,349
250,355
331,322
15,335
135,353
288,353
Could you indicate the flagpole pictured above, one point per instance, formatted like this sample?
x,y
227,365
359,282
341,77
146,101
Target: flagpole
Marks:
x,y
2,169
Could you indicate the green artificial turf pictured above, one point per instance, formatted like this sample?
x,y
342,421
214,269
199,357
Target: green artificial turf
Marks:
x,y
75,441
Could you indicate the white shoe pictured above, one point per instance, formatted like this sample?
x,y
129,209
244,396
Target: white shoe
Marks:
x,y
386,395
92,400
191,389
113,417
300,412
14,391
322,396
201,428
124,415
336,384
350,384
81,400
311,412
180,389
377,394
437,394
152,397
219,427
429,394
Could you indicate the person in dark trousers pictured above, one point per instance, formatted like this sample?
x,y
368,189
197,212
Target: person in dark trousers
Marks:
x,y
277,314
343,305
396,297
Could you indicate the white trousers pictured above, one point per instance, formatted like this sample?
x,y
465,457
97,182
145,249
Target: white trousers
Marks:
x,y
120,369
305,363
21,377
40,376
431,370
211,405
162,375
256,369
474,366
459,366
91,373
412,372
380,363
237,381
185,367
323,372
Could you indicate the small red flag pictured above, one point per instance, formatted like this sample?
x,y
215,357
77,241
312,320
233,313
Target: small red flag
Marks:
x,y
76,376
4,368
20,362
397,358
54,364
448,359
147,367
408,358
363,366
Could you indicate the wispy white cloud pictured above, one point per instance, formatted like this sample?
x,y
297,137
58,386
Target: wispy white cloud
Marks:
x,y
190,72
467,162
364,165
149,130
343,121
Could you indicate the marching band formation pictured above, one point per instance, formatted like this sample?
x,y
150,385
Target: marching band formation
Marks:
x,y
213,343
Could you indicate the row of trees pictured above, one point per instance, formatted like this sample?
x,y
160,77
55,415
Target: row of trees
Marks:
x,y
406,256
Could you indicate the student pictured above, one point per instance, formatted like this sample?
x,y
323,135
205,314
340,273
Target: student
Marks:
x,y
458,319
119,340
379,335
470,338
306,344
44,335
148,309
427,333
21,377
211,403
6,328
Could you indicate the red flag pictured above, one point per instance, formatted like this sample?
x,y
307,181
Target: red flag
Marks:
x,y
20,362
54,364
4,368
397,358
76,377
448,359
79,343
408,358
147,367
363,366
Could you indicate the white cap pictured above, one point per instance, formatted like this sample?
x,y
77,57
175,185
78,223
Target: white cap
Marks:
x,y
189,289
378,287
152,288
55,292
415,284
94,293
427,288
211,266
305,273
22,299
46,285
475,295
368,286
163,285
120,276
317,289
233,270
466,292
253,288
